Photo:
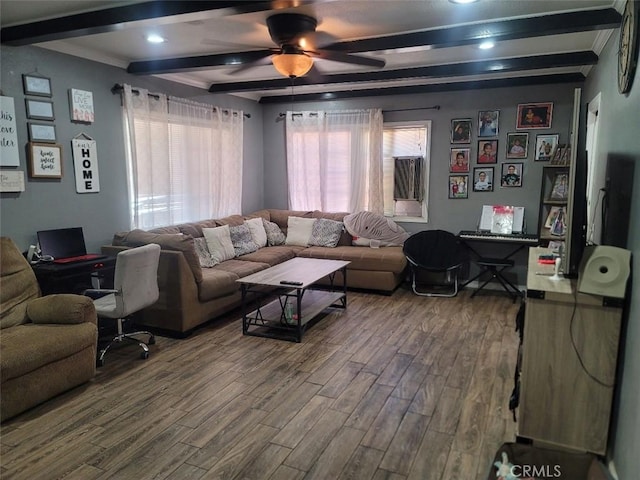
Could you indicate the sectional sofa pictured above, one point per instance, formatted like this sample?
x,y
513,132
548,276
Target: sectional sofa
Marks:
x,y
191,295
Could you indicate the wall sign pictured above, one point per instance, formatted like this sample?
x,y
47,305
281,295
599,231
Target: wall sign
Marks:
x,y
36,85
39,132
11,181
85,164
81,103
45,160
9,156
39,109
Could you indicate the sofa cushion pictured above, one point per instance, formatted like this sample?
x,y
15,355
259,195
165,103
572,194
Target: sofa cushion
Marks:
x,y
272,255
204,255
18,284
171,229
216,283
281,217
242,239
195,228
345,237
389,259
326,233
241,268
299,231
231,220
219,243
274,234
258,232
259,214
63,308
178,242
28,347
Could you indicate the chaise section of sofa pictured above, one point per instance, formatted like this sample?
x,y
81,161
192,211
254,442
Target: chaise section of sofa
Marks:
x,y
191,295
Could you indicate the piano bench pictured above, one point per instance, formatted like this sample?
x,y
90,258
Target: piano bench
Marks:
x,y
495,266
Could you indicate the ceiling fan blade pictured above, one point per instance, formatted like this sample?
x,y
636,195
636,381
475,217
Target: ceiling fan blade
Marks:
x,y
315,74
253,62
347,58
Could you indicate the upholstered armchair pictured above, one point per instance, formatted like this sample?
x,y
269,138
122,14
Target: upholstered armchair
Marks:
x,y
48,344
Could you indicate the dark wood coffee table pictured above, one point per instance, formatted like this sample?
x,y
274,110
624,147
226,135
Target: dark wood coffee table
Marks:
x,y
270,320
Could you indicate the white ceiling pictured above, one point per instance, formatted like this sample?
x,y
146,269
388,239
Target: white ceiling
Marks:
x,y
206,33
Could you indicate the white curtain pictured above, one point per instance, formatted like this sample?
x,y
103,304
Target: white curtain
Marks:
x,y
184,159
334,160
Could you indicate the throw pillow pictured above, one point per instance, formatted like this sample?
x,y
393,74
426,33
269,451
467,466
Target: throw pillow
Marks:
x,y
257,231
206,260
274,234
219,243
326,233
299,231
242,240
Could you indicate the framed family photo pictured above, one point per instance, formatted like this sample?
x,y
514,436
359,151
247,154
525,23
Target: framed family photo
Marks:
x,y
459,160
517,145
488,123
483,179
512,174
458,186
461,130
487,151
534,115
546,147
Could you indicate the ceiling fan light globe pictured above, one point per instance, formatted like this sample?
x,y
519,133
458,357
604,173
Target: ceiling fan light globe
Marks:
x,y
292,64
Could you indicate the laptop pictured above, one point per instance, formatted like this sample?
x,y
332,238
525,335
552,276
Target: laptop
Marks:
x,y
65,245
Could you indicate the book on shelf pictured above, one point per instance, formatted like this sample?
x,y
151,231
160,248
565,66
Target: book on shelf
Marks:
x,y
551,217
557,156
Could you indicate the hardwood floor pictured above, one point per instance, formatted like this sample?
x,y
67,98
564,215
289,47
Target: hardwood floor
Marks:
x,y
399,387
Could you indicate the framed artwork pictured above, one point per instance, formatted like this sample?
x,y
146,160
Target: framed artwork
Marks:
x,y
36,85
512,174
487,151
534,115
39,109
488,123
546,147
560,187
517,145
45,160
39,132
483,179
458,186
552,216
81,104
461,130
459,160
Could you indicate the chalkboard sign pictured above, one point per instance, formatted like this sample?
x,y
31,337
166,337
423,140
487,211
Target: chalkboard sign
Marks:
x,y
9,156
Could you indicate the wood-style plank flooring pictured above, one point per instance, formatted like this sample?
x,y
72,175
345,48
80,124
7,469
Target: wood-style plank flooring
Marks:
x,y
395,387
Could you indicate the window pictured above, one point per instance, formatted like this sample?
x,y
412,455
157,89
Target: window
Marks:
x,y
184,160
406,160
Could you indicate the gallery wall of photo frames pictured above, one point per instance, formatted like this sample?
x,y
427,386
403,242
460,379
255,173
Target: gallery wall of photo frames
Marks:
x,y
479,162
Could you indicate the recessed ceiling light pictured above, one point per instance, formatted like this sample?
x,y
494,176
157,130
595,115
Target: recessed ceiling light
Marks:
x,y
463,1
486,45
155,38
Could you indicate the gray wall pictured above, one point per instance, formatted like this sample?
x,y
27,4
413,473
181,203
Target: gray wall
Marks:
x,y
619,118
444,213
54,203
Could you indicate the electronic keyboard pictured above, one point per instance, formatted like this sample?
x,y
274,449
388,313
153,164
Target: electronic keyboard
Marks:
x,y
521,238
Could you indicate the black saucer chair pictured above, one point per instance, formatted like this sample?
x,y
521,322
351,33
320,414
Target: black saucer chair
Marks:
x,y
435,251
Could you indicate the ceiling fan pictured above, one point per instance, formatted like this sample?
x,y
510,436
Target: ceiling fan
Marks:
x,y
296,37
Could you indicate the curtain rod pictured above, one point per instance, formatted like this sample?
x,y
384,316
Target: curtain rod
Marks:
x,y
117,88
434,107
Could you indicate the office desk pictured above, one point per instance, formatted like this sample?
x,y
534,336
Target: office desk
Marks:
x,y
74,277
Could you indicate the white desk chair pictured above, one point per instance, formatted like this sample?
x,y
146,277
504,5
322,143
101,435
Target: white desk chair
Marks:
x,y
135,287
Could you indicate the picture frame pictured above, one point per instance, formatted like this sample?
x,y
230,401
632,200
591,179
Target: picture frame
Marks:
x,y
511,174
488,121
551,216
461,130
39,109
487,151
40,132
517,145
34,84
81,106
534,115
546,146
560,187
458,186
45,160
459,160
483,179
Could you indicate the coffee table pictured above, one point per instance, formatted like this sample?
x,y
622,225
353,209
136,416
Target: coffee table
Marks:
x,y
270,319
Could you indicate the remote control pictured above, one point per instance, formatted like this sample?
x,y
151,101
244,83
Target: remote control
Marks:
x,y
289,282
